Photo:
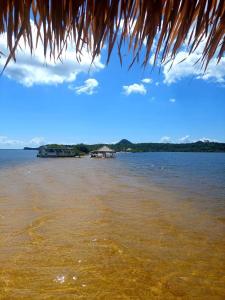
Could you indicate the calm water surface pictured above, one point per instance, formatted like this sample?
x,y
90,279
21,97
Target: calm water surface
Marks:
x,y
141,226
202,173
194,175
11,158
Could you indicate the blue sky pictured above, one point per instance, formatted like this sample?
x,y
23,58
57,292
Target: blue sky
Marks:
x,y
71,103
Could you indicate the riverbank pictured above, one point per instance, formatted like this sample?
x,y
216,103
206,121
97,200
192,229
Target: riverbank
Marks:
x,y
76,229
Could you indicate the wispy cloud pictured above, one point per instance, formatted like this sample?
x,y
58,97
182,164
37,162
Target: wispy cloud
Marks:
x,y
89,87
147,80
7,142
206,139
215,71
37,141
165,139
37,70
172,100
189,65
135,88
185,139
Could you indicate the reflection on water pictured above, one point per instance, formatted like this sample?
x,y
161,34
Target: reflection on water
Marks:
x,y
89,229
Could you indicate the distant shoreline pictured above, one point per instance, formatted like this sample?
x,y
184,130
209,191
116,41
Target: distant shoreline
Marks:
x,y
127,146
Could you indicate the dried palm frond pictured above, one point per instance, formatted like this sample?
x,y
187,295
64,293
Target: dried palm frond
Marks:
x,y
93,23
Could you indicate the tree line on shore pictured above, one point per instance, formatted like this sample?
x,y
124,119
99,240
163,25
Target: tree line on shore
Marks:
x,y
127,146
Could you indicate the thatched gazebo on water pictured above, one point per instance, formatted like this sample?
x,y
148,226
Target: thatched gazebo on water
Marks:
x,y
103,152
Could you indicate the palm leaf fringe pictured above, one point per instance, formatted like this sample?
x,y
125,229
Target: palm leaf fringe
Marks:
x,y
93,23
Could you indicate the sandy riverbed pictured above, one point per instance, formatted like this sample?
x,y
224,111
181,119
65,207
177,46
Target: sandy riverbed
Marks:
x,y
75,229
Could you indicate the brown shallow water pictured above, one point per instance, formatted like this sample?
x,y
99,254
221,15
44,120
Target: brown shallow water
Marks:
x,y
72,229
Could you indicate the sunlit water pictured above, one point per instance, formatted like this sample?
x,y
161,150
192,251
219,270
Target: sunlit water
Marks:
x,y
141,226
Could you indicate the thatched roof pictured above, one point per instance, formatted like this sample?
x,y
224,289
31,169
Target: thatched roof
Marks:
x,y
93,23
104,149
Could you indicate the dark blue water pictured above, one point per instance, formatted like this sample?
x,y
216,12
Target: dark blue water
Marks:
x,y
191,174
10,158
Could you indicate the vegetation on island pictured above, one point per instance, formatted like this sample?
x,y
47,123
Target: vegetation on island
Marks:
x,y
76,150
127,146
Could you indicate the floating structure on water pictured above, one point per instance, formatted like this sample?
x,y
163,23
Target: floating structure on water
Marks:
x,y
103,152
69,151
66,151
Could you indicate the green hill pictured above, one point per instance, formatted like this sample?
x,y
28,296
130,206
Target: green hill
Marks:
x,y
125,145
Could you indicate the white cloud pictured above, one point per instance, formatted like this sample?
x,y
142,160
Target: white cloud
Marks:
x,y
157,83
89,87
134,89
185,139
189,65
215,72
165,139
205,139
6,142
37,141
36,70
172,100
147,80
